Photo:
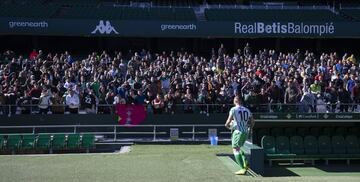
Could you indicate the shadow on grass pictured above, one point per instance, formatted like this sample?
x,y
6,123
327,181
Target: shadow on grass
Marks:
x,y
278,171
340,168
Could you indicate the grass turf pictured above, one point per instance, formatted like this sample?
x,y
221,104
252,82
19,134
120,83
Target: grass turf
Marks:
x,y
144,163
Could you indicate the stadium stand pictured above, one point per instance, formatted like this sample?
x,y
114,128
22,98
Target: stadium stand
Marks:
x,y
175,10
27,11
126,13
270,15
77,3
355,13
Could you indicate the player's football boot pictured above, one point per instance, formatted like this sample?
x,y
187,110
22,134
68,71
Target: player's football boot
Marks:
x,y
241,172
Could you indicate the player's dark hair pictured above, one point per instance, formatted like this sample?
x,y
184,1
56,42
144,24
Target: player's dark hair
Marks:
x,y
237,100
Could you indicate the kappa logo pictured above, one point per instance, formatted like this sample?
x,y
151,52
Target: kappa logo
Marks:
x,y
106,28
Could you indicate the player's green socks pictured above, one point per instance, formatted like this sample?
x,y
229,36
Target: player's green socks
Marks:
x,y
243,158
238,159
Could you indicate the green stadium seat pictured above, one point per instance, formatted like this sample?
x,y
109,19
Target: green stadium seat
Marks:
x,y
296,145
342,131
88,141
354,131
303,131
13,142
43,141
276,132
324,145
260,133
2,142
310,145
328,131
289,132
73,141
28,141
58,141
352,144
268,144
338,144
315,131
282,145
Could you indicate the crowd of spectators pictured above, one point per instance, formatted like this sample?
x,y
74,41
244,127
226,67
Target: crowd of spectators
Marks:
x,y
267,81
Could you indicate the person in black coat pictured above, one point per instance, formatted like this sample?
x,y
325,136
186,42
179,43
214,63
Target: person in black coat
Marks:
x,y
344,99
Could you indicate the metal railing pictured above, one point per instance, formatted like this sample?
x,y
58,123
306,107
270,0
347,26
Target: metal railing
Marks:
x,y
123,132
220,6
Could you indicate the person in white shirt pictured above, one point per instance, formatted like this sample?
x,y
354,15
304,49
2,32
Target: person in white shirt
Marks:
x,y
72,101
44,101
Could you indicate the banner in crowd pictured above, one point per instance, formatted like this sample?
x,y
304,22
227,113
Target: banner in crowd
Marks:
x,y
130,114
122,28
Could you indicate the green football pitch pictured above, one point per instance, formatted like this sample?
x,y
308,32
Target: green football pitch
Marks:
x,y
156,163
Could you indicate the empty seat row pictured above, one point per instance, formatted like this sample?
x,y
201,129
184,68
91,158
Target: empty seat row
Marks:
x,y
42,142
310,147
304,131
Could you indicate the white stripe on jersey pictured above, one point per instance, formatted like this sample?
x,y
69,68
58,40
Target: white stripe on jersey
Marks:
x,y
241,116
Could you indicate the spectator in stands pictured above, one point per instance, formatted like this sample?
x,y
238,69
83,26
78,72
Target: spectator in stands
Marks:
x,y
251,101
72,101
11,97
330,98
158,104
188,101
344,99
291,96
57,104
139,98
315,89
44,101
89,101
2,101
355,94
262,77
307,101
274,93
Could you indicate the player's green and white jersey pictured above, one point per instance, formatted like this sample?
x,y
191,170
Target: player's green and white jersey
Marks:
x,y
241,118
